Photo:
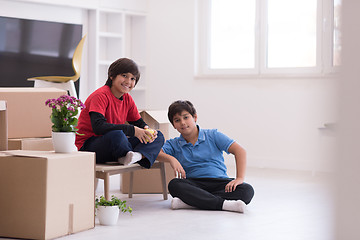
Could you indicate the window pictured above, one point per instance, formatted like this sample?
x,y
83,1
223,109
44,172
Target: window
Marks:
x,y
291,33
336,33
232,34
268,37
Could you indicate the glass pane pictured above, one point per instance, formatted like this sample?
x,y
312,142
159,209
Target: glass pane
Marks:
x,y
337,33
291,33
232,34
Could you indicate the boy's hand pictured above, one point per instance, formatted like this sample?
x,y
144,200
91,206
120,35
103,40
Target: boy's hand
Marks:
x,y
178,169
144,135
152,134
231,186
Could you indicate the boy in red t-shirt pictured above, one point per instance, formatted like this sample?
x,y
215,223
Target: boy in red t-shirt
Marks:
x,y
102,124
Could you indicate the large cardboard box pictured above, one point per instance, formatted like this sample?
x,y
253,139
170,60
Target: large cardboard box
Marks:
x,y
46,195
3,126
38,144
149,180
28,116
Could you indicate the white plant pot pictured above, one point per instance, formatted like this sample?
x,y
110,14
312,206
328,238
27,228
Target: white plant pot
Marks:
x,y
108,215
64,142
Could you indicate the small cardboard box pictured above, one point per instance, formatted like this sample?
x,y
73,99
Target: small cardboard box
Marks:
x,y
38,144
46,195
28,116
3,126
149,180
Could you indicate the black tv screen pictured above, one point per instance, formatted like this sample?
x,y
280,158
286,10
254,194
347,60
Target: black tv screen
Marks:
x,y
31,48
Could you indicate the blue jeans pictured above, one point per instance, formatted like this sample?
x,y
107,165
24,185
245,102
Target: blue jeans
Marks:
x,y
115,144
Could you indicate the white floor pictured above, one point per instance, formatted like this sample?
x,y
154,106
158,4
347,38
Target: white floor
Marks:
x,y
287,205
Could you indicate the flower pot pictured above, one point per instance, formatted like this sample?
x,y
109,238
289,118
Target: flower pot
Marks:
x,y
64,142
108,215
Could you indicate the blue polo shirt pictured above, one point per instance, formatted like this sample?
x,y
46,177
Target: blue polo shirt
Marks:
x,y
205,158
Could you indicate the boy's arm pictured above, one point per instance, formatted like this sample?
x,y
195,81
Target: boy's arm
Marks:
x,y
240,159
178,169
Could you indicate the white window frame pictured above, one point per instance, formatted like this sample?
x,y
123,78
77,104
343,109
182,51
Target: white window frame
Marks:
x,y
324,46
327,40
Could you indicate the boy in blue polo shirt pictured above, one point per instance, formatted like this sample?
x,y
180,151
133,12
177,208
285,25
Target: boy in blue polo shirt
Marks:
x,y
197,159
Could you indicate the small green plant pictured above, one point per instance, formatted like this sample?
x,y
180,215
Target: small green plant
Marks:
x,y
113,202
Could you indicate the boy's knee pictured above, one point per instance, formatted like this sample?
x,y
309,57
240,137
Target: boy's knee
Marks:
x,y
173,185
160,136
115,134
249,193
117,140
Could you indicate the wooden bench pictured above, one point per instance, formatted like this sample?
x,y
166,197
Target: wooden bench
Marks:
x,y
104,171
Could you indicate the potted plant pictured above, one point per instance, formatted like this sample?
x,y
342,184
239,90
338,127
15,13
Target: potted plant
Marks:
x,y
108,210
64,114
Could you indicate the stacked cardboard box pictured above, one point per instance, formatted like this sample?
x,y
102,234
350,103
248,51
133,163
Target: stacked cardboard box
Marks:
x,y
45,195
38,144
29,125
148,180
28,116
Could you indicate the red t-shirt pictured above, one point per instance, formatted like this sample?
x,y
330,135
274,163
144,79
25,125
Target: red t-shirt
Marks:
x,y
115,111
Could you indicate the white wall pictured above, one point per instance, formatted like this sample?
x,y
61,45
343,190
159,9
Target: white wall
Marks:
x,y
276,120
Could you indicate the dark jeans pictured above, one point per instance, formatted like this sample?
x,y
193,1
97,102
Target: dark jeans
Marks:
x,y
114,144
208,193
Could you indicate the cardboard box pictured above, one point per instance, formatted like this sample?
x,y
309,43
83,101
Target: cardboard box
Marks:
x,y
38,144
149,180
46,195
28,116
3,126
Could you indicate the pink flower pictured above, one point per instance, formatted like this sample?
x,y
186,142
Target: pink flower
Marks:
x,y
64,113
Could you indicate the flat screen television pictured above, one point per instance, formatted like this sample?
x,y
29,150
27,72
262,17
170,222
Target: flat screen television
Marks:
x,y
31,48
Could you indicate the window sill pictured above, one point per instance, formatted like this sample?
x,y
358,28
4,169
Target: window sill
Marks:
x,y
268,76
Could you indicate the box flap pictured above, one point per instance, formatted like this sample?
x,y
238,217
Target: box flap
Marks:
x,y
43,154
158,115
30,89
27,153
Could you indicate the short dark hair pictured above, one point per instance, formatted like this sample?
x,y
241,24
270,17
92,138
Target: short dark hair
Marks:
x,y
178,107
120,66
